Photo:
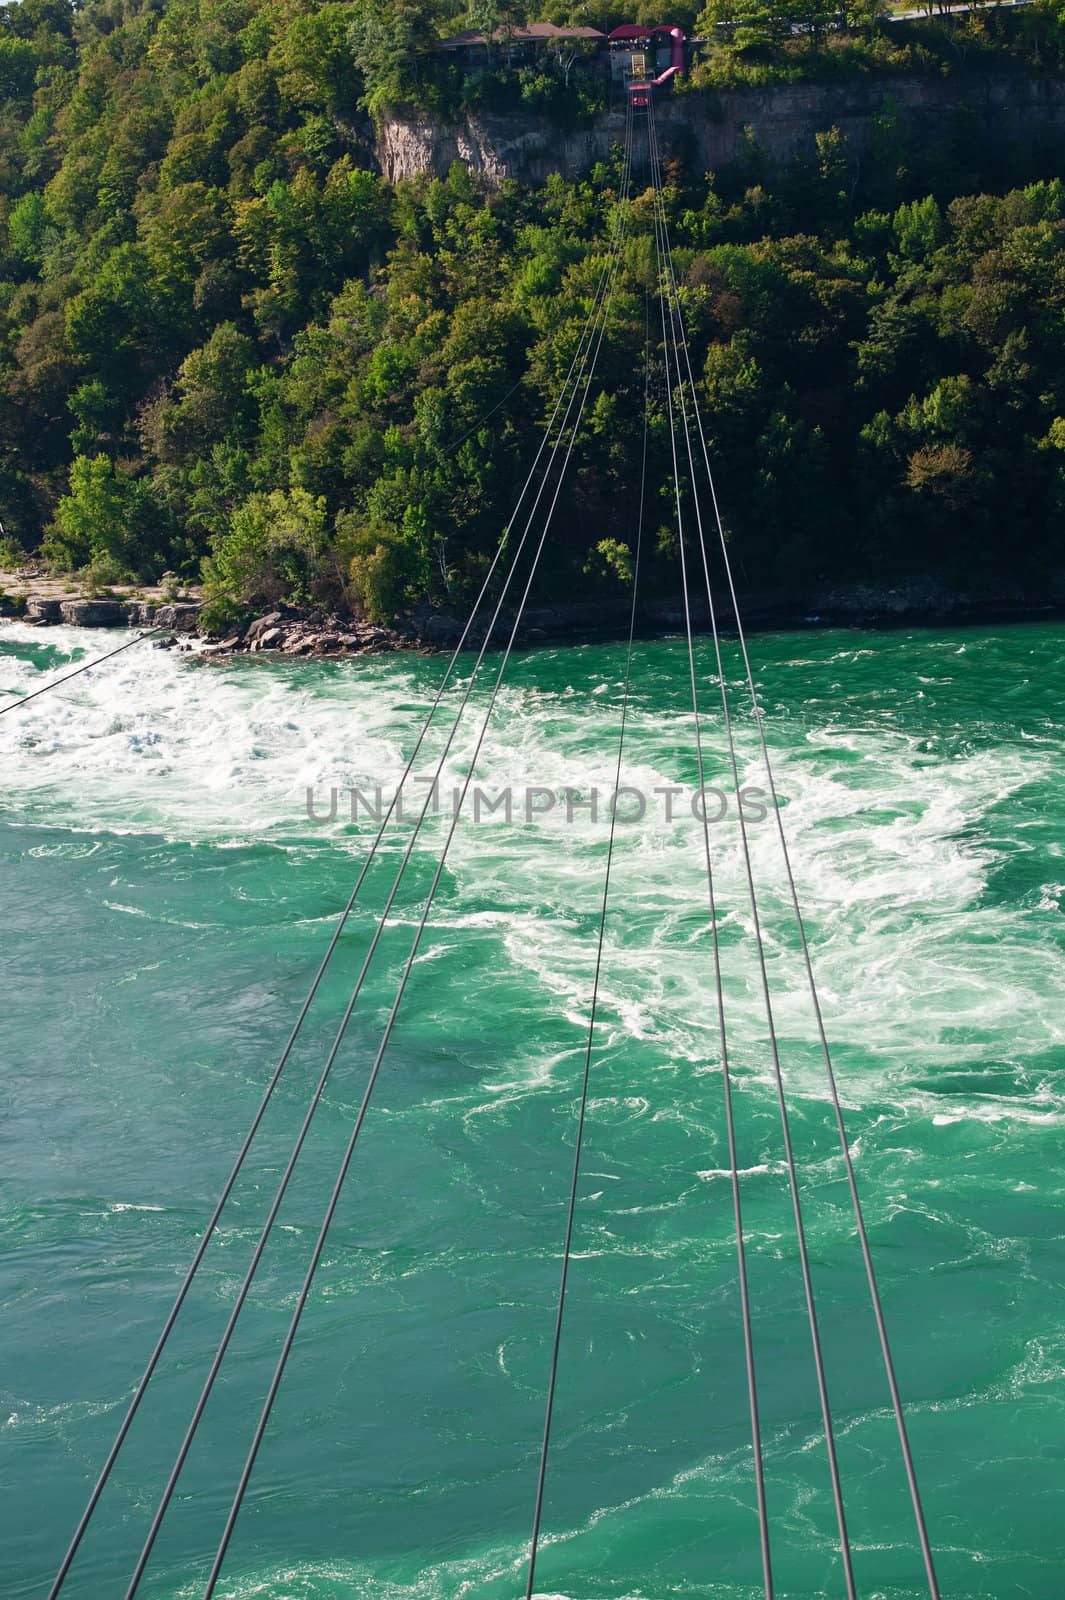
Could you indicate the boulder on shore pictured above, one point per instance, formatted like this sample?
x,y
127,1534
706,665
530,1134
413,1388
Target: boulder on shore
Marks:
x,y
94,613
256,629
180,617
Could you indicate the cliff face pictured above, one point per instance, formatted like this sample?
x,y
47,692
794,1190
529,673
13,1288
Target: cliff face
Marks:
x,y
710,130
496,146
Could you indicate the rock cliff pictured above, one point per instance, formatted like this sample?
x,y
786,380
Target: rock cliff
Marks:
x,y
710,130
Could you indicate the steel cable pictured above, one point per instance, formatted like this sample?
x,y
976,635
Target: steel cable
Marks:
x,y
785,1123
86,666
576,366
304,1293
582,1113
852,1184
252,1268
741,1252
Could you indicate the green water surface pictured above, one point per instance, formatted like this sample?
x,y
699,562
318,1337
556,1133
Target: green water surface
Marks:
x,y
165,902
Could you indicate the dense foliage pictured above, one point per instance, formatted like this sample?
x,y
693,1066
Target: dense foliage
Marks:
x,y
754,42
228,343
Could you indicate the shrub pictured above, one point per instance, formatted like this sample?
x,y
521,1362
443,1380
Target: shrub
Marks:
x,y
11,552
271,552
611,559
221,612
381,567
102,573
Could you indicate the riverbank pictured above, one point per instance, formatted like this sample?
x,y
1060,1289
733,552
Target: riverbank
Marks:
x,y
309,632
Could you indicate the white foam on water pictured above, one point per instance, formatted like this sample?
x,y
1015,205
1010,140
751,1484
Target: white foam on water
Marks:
x,y
892,848
158,741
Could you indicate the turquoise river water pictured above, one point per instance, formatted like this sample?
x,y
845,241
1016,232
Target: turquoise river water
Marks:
x,y
165,902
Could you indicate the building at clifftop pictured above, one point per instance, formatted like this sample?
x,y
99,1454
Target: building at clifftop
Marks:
x,y
630,51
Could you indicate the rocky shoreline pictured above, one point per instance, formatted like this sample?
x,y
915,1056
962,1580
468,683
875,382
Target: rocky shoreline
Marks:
x,y
288,631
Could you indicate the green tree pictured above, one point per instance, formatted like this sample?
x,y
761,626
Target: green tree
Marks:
x,y
381,566
106,514
18,64
272,550
384,45
117,324
919,228
28,227
210,400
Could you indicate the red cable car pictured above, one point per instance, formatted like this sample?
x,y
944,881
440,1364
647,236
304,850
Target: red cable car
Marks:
x,y
637,42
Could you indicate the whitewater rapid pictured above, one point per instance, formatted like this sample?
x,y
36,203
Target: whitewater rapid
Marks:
x,y
158,808
889,834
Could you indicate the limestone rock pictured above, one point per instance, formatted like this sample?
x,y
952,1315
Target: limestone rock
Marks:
x,y
94,613
181,617
261,625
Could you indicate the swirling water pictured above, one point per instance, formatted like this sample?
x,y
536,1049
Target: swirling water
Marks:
x,y
165,901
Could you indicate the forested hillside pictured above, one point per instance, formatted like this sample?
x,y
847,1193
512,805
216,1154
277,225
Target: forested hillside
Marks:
x,y
226,340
